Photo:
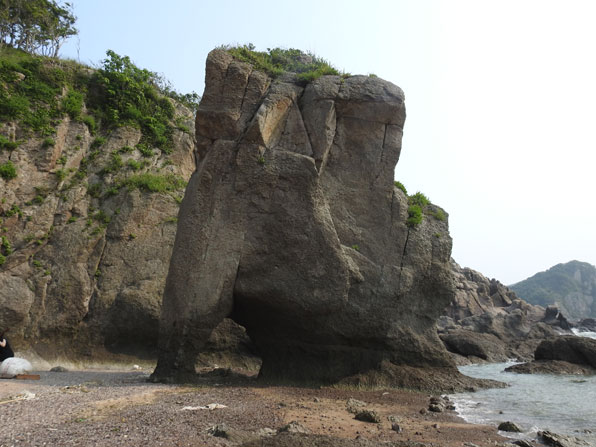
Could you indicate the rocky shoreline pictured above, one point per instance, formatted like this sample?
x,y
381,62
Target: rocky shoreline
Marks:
x,y
111,406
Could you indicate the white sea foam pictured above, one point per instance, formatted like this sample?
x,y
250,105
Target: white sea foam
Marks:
x,y
584,333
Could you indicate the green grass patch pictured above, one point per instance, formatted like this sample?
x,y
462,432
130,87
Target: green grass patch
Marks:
x,y
277,61
72,104
8,171
400,185
5,143
155,182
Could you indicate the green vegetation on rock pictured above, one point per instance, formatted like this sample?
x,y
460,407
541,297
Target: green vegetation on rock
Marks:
x,y
400,185
8,170
277,61
414,216
155,182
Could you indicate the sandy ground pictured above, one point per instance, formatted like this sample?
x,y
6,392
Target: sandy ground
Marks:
x,y
116,407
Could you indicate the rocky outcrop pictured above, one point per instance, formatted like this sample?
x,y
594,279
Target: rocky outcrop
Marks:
x,y
487,321
89,252
292,226
562,355
570,286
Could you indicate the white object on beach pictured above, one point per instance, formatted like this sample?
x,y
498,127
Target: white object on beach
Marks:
x,y
205,407
13,366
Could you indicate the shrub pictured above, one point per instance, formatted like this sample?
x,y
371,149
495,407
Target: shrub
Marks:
x,y
14,209
418,199
47,142
8,170
114,165
123,94
102,217
89,121
2,259
401,186
99,141
155,183
276,61
94,190
6,246
61,174
72,104
111,191
5,143
414,216
134,165
439,215
144,149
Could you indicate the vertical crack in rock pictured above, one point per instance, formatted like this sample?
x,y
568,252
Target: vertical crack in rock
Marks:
x,y
403,258
308,260
381,154
245,90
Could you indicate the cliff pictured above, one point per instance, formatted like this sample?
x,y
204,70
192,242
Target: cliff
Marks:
x,y
571,287
88,205
292,226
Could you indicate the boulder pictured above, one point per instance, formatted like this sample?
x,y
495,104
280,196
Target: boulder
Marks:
x,y
587,324
566,354
292,226
473,344
551,367
555,440
509,427
569,348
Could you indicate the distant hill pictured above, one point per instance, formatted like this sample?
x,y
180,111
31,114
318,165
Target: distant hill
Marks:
x,y
571,286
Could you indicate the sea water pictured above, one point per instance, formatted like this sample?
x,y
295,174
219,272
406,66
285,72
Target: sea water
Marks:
x,y
563,404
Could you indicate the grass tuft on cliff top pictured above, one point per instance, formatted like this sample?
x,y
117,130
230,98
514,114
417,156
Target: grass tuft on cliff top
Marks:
x,y
276,61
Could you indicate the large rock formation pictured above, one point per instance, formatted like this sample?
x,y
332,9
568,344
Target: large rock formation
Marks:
x,y
487,321
570,286
88,256
292,226
562,355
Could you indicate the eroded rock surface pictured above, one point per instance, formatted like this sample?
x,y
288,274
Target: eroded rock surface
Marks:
x,y
89,256
292,226
487,321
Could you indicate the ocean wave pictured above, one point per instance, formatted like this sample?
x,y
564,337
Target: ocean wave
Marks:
x,y
584,333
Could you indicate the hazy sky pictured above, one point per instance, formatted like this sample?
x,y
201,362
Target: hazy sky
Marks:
x,y
501,99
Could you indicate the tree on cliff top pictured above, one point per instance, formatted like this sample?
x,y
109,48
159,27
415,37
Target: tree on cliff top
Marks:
x,y
36,26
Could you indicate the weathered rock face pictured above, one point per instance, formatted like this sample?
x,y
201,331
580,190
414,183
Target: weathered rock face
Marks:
x,y
88,264
292,226
488,322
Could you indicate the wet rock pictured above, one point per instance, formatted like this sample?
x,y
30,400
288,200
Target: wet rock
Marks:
x,y
555,440
523,443
551,367
509,427
573,349
58,369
